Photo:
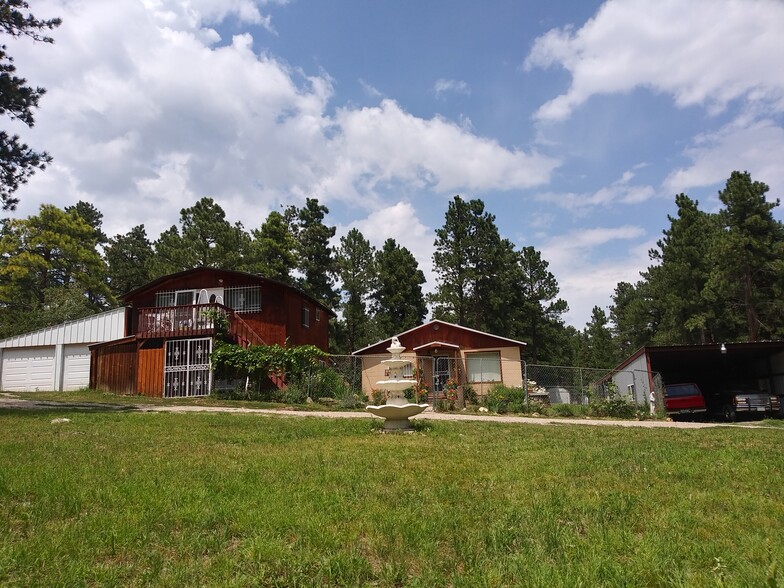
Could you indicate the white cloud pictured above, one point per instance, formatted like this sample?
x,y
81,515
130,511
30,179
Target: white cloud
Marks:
x,y
443,86
144,106
587,279
370,90
702,52
385,143
755,148
622,191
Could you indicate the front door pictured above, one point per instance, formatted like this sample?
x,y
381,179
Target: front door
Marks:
x,y
440,372
187,368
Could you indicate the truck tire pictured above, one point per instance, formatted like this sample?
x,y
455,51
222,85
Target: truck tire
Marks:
x,y
730,415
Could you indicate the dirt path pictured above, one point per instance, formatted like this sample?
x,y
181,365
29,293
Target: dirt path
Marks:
x,y
11,402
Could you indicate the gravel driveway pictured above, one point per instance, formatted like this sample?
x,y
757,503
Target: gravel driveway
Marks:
x,y
12,402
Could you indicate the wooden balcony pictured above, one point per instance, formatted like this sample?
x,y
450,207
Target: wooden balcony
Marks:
x,y
196,320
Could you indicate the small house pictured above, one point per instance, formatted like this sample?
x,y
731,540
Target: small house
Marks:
x,y
440,351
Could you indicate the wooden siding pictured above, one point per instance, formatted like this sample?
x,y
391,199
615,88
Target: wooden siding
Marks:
x,y
278,321
149,379
445,333
113,368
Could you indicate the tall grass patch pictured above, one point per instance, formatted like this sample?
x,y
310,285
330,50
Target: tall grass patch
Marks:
x,y
244,500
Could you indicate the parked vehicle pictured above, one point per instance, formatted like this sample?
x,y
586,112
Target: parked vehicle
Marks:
x,y
734,400
683,399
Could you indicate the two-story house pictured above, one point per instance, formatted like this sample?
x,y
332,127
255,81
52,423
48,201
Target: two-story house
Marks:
x,y
172,322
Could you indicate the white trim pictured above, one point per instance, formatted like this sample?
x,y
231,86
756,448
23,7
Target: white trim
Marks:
x,y
437,321
437,344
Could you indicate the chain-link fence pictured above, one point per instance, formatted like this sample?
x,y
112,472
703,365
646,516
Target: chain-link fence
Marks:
x,y
454,381
577,385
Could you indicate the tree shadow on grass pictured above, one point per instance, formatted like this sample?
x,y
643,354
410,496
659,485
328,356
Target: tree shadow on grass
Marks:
x,y
46,408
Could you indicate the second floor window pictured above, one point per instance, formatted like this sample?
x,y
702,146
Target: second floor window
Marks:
x,y
243,298
305,316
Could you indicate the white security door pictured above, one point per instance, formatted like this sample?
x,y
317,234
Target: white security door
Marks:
x,y
28,369
187,368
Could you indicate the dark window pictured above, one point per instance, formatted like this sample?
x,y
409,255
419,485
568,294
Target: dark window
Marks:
x,y
305,316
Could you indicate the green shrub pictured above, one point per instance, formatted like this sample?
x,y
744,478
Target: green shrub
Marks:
x,y
378,397
568,410
503,399
352,400
469,394
613,406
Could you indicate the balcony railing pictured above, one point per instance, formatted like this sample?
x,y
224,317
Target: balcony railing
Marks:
x,y
193,321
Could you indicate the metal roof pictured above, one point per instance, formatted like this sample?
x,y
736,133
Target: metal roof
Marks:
x,y
92,329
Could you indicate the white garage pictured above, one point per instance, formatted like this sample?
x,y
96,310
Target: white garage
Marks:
x,y
56,358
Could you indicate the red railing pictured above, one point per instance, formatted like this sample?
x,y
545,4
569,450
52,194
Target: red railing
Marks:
x,y
193,321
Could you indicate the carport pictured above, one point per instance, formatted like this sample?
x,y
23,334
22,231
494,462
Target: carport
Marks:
x,y
712,366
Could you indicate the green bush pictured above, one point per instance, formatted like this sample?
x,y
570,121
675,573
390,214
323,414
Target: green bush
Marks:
x,y
613,406
469,394
503,399
568,410
352,400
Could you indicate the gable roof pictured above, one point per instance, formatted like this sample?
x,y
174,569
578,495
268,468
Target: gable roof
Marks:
x,y
444,333
256,278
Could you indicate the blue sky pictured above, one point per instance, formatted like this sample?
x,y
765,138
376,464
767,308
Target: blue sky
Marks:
x,y
575,122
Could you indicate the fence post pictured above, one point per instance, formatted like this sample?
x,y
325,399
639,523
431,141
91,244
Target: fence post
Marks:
x,y
525,383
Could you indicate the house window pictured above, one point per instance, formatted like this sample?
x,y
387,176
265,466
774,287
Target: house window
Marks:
x,y
165,298
318,315
243,298
176,298
305,316
484,366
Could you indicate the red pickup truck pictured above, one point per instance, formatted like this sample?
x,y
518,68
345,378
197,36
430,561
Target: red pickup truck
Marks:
x,y
683,399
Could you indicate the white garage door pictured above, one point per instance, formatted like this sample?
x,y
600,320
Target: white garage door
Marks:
x,y
28,369
76,374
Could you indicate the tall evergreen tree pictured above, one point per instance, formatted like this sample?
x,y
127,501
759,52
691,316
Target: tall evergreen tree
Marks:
x,y
207,240
633,316
469,259
41,255
316,256
751,254
688,313
129,258
398,302
356,268
539,309
272,250
18,100
92,216
599,350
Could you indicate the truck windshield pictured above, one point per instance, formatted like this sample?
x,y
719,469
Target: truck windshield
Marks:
x,y
679,390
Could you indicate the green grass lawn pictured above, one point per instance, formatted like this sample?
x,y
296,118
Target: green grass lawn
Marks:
x,y
132,499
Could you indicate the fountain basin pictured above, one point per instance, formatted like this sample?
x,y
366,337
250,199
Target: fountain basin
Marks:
x,y
397,415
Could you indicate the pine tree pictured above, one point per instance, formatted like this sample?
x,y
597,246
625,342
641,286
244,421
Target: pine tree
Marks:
x,y
355,263
207,240
271,252
398,302
470,259
316,258
539,310
689,314
751,256
18,100
39,257
129,258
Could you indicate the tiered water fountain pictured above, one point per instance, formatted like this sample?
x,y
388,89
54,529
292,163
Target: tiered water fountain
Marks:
x,y
397,409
